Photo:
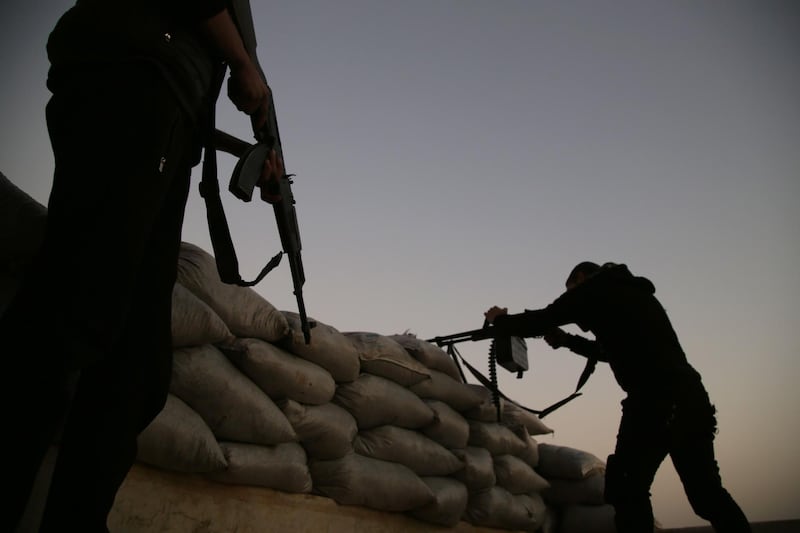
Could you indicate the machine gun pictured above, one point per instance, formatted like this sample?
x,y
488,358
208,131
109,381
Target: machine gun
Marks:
x,y
510,352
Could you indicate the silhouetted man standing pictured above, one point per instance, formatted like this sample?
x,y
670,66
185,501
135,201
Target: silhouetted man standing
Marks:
x,y
134,84
667,410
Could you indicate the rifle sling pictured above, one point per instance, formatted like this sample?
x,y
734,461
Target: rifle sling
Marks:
x,y
591,363
221,241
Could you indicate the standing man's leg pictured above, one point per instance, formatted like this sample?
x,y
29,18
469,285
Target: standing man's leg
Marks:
x,y
641,447
117,206
119,396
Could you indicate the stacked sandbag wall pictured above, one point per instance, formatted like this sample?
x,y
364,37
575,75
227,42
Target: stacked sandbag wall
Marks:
x,y
380,421
576,486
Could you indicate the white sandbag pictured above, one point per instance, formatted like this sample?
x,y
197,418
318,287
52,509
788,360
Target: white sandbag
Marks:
x,y
564,462
513,415
281,374
230,403
22,226
486,410
416,451
428,354
329,348
243,310
496,438
587,519
551,522
450,502
514,475
478,472
381,356
325,431
535,506
448,428
359,480
374,401
281,467
178,439
587,491
531,452
442,387
498,508
194,323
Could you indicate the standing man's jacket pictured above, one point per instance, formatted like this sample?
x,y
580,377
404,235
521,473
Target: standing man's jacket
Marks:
x,y
164,33
630,324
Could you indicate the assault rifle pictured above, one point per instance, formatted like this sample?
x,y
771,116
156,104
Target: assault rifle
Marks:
x,y
246,175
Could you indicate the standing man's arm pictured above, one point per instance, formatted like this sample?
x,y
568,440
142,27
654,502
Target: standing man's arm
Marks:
x,y
246,87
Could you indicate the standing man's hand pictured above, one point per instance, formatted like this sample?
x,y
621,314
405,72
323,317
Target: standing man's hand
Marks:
x,y
494,312
270,175
249,93
246,86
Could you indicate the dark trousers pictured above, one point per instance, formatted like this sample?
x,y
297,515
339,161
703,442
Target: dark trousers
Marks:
x,y
683,429
97,304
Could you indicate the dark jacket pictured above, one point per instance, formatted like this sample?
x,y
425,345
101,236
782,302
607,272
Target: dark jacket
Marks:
x,y
98,33
628,322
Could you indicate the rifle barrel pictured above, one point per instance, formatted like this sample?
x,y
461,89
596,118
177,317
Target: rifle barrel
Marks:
x,y
472,335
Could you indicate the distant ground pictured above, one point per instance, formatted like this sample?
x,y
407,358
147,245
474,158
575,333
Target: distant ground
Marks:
x,y
780,526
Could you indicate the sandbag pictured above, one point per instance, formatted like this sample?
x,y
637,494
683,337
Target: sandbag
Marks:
x,y
564,462
22,226
374,401
416,451
531,452
428,354
514,475
178,439
243,310
513,415
233,406
586,491
281,467
496,438
448,428
358,480
587,519
450,502
329,348
444,388
281,374
498,508
325,431
194,323
485,411
381,356
535,506
478,472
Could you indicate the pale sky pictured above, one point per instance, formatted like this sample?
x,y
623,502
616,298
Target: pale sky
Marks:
x,y
453,155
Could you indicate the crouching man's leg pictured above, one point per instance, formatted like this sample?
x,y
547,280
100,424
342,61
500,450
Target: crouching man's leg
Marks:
x,y
695,463
641,447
